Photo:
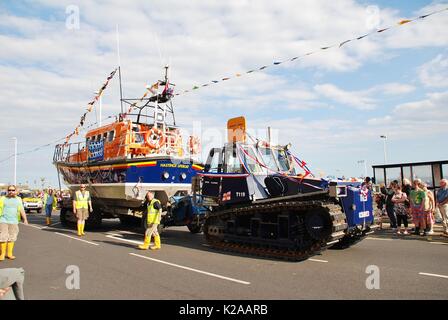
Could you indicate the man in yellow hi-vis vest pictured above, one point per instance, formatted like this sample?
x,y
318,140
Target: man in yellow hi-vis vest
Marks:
x,y
154,216
81,205
11,210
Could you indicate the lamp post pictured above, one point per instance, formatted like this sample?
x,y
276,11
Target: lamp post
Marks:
x,y
365,166
15,160
385,155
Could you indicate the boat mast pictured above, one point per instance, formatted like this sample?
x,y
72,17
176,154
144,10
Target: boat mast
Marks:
x,y
119,70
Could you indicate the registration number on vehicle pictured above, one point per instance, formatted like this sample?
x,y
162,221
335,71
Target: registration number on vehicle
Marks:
x,y
364,214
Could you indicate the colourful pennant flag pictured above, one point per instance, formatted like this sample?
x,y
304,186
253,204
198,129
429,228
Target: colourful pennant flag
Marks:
x,y
404,21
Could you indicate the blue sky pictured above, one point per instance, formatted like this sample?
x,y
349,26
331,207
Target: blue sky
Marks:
x,y
332,106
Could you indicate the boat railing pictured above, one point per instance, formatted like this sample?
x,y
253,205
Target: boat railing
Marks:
x,y
70,152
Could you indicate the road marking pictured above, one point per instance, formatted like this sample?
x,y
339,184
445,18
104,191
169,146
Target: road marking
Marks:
x,y
439,243
124,232
51,225
114,236
381,239
317,260
433,275
61,234
191,269
32,225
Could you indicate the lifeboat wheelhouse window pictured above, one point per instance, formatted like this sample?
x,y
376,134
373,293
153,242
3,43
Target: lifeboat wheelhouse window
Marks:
x,y
98,138
111,135
105,136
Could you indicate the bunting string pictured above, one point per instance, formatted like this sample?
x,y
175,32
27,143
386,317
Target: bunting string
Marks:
x,y
90,107
336,45
215,81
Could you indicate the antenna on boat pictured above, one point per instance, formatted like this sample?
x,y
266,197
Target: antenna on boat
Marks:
x,y
119,69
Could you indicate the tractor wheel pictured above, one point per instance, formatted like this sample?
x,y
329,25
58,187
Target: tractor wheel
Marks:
x,y
194,228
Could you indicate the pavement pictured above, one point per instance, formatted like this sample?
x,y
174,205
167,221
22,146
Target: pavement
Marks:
x,y
382,266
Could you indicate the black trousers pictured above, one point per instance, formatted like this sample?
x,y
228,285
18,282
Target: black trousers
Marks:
x,y
404,219
392,216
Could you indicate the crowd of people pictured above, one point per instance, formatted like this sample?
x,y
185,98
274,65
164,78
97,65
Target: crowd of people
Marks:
x,y
405,202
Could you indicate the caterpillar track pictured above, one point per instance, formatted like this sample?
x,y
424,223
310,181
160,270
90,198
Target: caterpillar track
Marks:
x,y
299,229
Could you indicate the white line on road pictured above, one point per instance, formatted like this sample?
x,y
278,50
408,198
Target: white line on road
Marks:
x,y
113,236
433,275
317,260
32,226
51,225
61,234
124,232
191,269
381,239
439,243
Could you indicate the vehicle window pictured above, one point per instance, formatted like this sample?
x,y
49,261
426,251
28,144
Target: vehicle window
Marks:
x,y
232,162
105,136
26,195
139,138
282,159
111,135
98,138
214,163
268,158
250,159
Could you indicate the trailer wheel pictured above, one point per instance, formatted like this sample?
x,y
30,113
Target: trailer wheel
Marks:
x,y
194,228
129,221
64,217
145,224
95,219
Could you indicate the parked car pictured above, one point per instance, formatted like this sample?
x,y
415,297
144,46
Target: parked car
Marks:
x,y
31,202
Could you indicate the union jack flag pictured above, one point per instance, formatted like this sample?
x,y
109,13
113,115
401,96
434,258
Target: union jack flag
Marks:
x,y
226,196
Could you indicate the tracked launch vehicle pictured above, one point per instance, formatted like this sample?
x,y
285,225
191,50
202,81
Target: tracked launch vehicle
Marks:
x,y
259,203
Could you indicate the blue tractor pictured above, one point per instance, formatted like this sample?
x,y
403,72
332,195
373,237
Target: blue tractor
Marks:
x,y
258,203
182,211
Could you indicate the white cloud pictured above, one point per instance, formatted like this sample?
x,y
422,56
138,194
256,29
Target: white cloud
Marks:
x,y
356,99
420,118
392,89
427,32
435,72
49,73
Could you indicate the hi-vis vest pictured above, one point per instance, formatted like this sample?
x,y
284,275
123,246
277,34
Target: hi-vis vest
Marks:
x,y
55,201
82,202
154,215
2,204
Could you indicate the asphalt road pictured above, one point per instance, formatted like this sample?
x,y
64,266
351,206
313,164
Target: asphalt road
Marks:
x,y
111,267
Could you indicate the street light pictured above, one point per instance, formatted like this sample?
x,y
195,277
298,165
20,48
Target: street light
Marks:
x,y
385,156
365,166
15,160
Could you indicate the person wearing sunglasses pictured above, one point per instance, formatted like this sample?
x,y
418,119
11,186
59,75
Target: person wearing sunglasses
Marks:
x,y
81,205
11,210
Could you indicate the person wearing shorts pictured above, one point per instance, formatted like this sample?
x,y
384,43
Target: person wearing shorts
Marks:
x,y
82,206
11,210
